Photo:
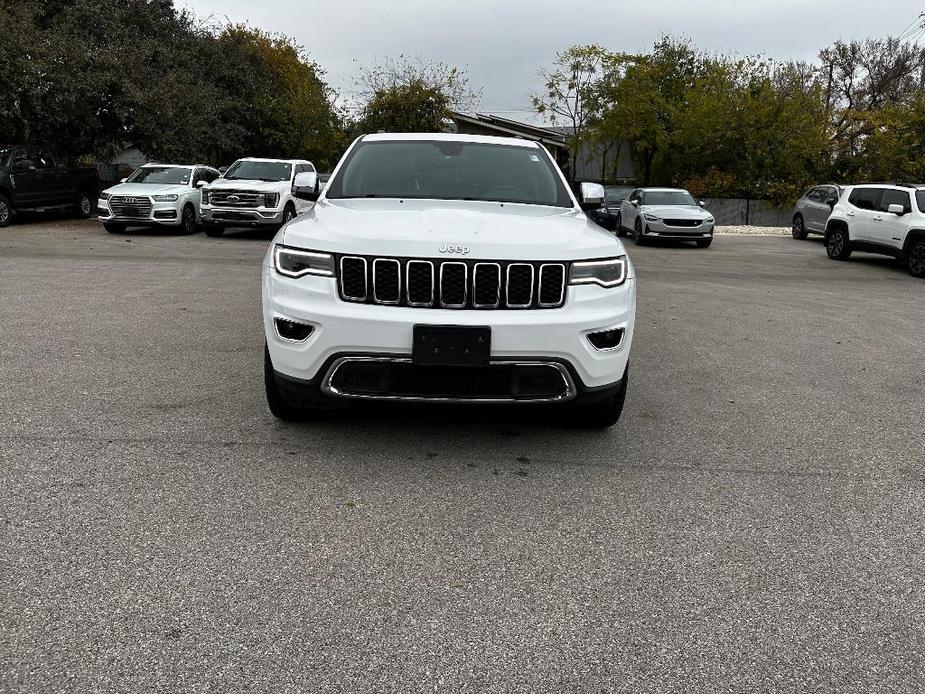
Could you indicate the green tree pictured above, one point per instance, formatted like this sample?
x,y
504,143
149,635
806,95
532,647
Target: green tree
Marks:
x,y
570,93
412,95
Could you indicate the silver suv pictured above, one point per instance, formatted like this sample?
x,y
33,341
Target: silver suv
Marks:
x,y
813,209
880,218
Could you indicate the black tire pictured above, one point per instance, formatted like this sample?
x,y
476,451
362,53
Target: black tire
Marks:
x,y
799,227
916,258
601,415
637,233
85,207
113,228
288,215
213,231
188,220
837,243
6,212
276,400
704,243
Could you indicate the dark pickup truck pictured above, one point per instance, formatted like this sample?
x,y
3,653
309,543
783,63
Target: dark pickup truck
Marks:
x,y
30,179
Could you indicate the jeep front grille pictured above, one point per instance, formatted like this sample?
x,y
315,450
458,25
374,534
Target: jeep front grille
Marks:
x,y
452,284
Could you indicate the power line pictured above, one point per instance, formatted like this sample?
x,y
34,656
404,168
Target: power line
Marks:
x,y
915,28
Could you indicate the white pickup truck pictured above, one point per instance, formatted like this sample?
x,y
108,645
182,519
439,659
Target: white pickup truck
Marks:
x,y
253,193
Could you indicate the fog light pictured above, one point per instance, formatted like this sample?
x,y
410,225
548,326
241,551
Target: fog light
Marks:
x,y
606,339
292,331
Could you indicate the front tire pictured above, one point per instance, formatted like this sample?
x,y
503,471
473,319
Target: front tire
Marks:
x,y
637,233
601,415
84,206
188,220
276,400
799,227
6,212
837,244
288,215
916,260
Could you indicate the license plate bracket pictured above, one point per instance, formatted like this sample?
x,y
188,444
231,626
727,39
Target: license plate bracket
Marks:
x,y
451,345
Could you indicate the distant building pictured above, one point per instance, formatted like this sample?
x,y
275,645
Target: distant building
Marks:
x,y
594,163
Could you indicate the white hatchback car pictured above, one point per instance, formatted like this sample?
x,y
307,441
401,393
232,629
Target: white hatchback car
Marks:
x,y
156,195
447,268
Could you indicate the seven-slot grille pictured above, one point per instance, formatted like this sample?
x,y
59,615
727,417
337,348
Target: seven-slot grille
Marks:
x,y
473,284
130,206
235,198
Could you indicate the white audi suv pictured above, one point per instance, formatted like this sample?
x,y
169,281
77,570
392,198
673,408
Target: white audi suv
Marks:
x,y
447,268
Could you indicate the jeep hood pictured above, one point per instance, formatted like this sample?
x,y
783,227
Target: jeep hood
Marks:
x,y
420,228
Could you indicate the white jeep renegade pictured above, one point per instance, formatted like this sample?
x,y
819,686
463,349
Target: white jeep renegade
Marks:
x,y
879,218
447,268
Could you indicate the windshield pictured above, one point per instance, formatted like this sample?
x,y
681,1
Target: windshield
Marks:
x,y
164,175
616,193
449,170
259,171
669,197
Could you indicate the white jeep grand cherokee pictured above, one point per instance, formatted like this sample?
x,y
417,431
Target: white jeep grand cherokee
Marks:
x,y
253,193
447,268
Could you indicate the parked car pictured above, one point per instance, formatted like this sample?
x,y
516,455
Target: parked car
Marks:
x,y
31,179
880,218
608,214
812,210
666,213
447,268
156,195
254,192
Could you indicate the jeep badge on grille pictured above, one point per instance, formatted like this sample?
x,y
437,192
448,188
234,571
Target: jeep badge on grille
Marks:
x,y
461,250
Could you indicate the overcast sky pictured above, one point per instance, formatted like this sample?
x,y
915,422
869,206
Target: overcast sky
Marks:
x,y
502,43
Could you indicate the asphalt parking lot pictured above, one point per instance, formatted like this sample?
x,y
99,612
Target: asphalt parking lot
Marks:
x,y
754,522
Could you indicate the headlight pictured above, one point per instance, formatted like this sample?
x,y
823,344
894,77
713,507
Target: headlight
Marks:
x,y
205,196
270,199
709,220
173,197
605,273
105,196
652,217
293,262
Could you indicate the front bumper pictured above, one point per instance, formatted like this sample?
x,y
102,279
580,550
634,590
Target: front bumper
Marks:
x,y
241,217
659,229
162,214
341,328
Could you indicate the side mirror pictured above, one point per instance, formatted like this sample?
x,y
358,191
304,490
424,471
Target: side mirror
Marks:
x,y
702,203
592,194
898,210
202,184
222,170
123,180
305,186
634,202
